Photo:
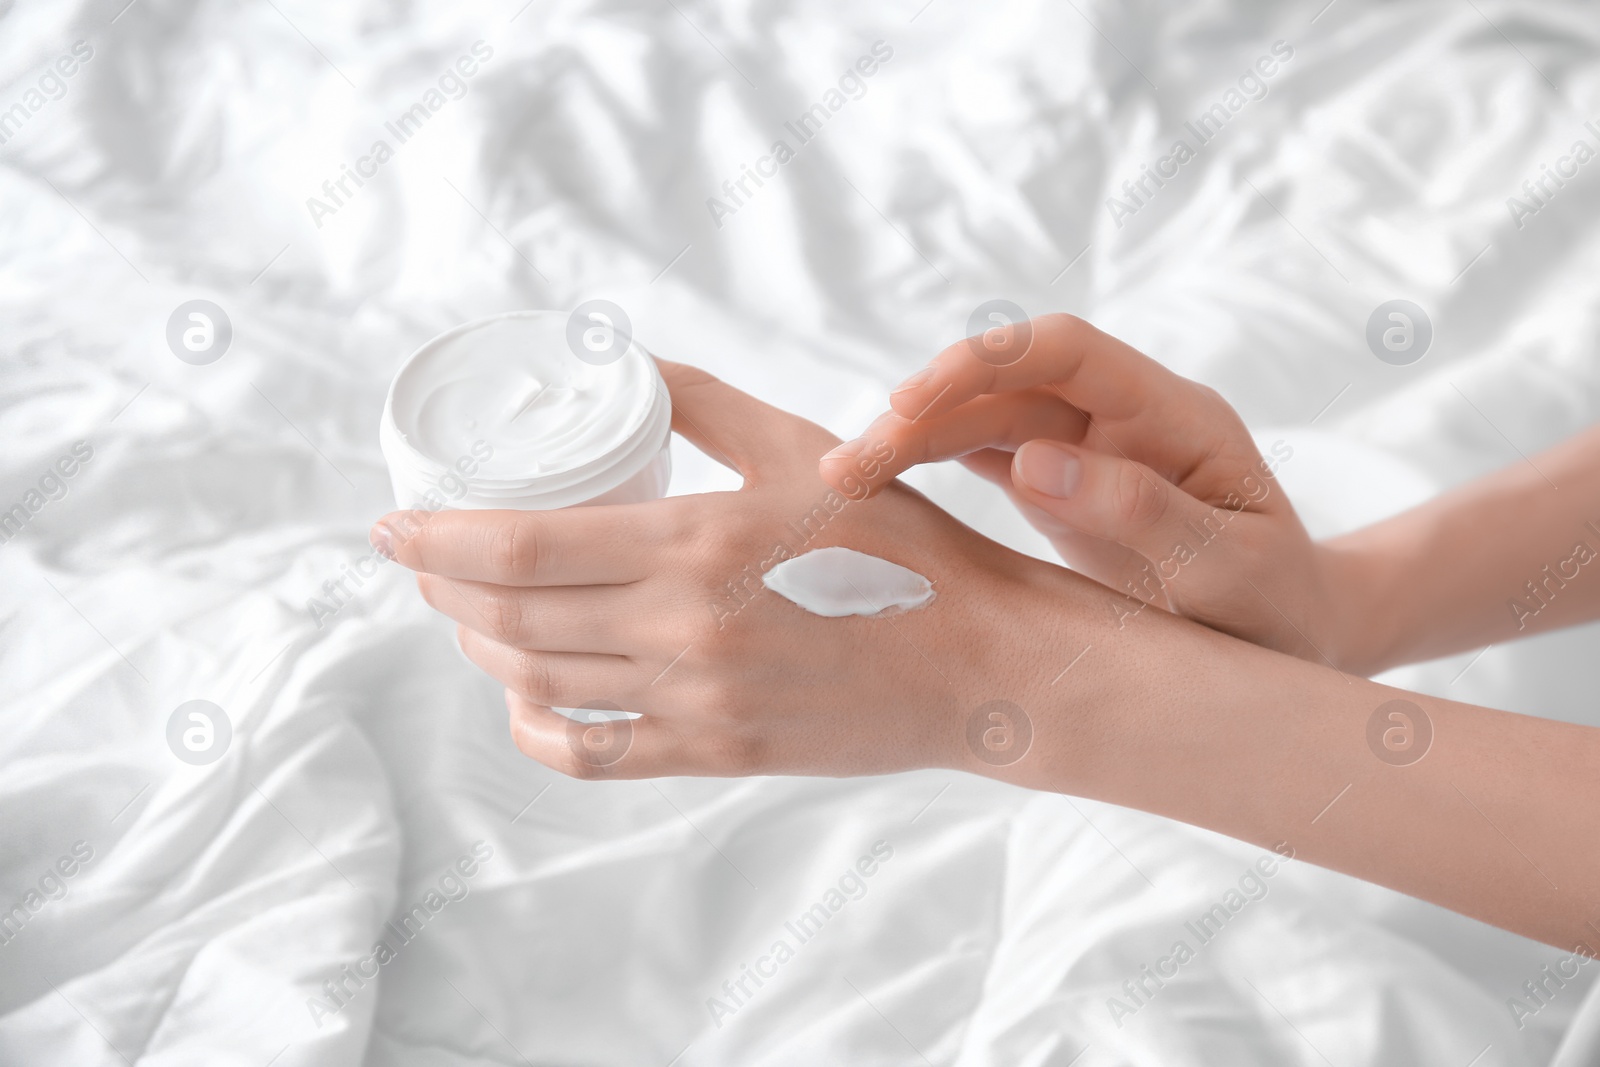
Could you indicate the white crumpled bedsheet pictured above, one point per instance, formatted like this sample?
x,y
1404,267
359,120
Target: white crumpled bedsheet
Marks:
x,y
369,760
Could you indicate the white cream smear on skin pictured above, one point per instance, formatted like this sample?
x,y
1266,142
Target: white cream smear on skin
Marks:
x,y
835,582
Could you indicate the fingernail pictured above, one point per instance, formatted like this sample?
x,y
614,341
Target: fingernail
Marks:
x,y
919,378
382,539
848,450
1047,469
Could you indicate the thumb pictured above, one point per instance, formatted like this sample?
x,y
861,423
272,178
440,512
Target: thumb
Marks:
x,y
1112,498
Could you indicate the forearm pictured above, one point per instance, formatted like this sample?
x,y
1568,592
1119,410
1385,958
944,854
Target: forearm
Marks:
x,y
1506,556
1496,819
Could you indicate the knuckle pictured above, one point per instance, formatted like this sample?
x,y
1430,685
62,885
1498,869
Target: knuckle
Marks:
x,y
468,641
574,765
506,616
1072,329
1065,320
558,755
725,643
518,547
536,675
737,753
727,704
726,561
676,521
410,530
721,635
724,541
684,375
723,743
527,739
1138,500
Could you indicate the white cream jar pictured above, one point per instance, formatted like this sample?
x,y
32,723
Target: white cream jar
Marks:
x,y
502,412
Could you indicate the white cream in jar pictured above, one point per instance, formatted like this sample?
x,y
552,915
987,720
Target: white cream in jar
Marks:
x,y
507,398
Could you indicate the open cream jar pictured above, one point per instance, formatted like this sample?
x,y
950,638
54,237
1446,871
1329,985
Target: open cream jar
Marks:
x,y
502,413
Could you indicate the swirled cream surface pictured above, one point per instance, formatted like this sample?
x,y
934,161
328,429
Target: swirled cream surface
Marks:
x,y
837,581
513,382
560,430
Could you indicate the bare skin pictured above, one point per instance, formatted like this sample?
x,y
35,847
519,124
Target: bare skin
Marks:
x,y
1164,461
638,605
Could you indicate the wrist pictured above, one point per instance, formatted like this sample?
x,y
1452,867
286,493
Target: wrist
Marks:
x,y
1368,617
1146,717
1018,673
1051,686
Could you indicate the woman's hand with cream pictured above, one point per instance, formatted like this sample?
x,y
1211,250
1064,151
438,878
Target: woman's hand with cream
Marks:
x,y
1143,480
660,608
